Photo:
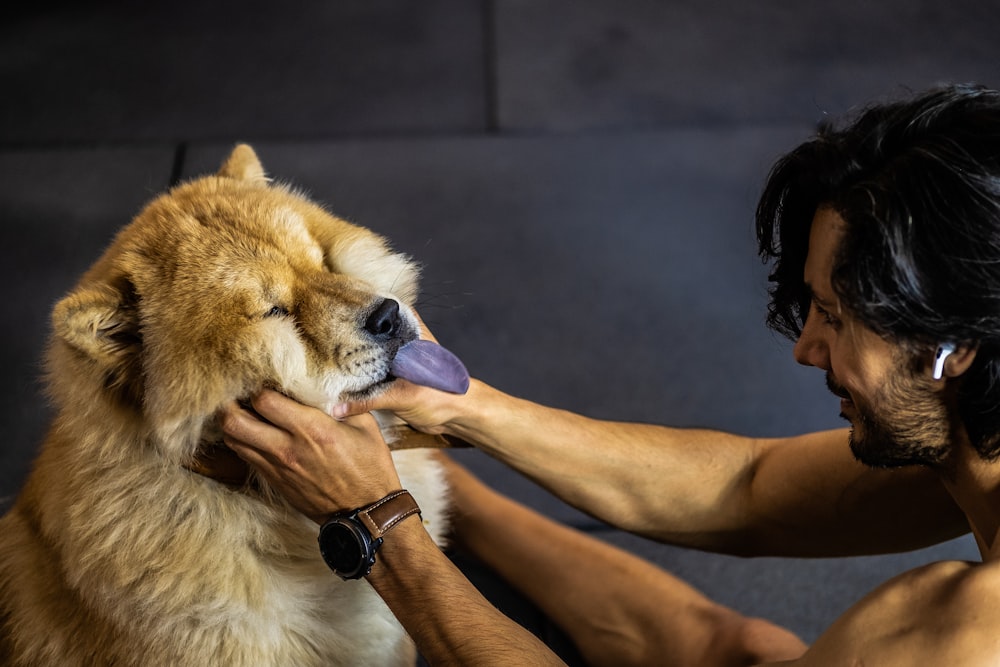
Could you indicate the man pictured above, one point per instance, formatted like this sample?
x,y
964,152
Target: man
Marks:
x,y
885,238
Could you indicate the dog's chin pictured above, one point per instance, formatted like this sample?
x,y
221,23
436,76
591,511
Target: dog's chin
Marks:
x,y
369,392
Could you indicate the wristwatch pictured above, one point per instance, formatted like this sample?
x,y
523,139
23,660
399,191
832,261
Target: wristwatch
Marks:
x,y
348,540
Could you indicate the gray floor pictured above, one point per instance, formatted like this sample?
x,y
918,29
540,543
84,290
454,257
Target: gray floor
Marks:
x,y
578,179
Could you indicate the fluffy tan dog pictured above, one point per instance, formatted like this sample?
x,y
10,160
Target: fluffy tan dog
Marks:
x,y
115,553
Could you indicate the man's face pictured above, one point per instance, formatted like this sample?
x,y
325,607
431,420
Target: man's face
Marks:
x,y
896,417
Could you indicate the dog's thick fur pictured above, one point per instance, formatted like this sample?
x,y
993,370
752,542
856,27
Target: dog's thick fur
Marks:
x,y
114,552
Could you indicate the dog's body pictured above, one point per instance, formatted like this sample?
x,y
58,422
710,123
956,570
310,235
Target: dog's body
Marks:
x,y
115,553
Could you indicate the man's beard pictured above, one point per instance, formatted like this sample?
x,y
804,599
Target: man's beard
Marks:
x,y
904,424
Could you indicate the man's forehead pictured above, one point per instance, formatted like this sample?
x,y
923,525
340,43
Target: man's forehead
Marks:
x,y
825,235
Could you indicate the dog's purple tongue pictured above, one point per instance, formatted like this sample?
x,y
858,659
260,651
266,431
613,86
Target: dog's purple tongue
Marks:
x,y
426,363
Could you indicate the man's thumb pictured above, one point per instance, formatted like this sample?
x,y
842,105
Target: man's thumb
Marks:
x,y
342,411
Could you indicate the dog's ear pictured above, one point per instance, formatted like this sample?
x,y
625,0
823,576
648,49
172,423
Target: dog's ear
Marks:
x,y
243,165
101,323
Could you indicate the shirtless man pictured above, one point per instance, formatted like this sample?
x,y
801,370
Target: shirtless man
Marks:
x,y
885,243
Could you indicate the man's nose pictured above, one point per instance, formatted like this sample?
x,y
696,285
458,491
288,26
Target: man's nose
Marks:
x,y
811,349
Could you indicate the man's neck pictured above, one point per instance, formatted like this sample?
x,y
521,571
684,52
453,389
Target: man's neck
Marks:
x,y
975,485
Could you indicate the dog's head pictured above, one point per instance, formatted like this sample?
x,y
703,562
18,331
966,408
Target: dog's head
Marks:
x,y
222,286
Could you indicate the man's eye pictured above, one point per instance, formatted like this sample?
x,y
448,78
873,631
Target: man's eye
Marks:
x,y
827,317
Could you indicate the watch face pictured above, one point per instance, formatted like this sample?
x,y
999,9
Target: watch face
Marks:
x,y
343,548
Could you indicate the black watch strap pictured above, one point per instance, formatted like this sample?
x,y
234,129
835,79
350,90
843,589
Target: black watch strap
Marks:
x,y
380,517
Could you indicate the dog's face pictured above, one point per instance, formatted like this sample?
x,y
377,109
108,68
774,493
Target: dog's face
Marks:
x,y
223,286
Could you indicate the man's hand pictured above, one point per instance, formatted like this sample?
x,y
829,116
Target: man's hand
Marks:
x,y
320,465
425,409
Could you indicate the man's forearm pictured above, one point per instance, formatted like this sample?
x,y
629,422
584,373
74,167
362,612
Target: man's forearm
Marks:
x,y
451,623
675,484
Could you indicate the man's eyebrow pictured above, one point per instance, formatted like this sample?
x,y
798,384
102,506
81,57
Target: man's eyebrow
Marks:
x,y
811,293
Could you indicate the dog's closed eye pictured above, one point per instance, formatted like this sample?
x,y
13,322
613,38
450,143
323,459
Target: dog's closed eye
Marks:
x,y
277,311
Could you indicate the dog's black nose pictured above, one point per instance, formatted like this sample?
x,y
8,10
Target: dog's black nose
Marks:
x,y
384,321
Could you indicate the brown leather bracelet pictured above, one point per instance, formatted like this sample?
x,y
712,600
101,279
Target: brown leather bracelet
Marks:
x,y
381,516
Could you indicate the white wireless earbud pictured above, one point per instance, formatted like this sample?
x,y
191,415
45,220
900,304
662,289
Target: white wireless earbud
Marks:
x,y
943,350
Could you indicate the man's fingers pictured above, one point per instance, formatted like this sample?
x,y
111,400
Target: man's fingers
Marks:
x,y
280,410
396,396
344,411
245,433
294,417
237,422
249,454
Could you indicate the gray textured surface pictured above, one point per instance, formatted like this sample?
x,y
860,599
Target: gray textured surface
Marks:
x,y
574,64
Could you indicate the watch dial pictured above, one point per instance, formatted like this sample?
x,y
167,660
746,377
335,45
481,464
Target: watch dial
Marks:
x,y
341,548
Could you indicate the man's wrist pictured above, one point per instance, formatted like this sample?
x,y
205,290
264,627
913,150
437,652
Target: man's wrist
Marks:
x,y
470,411
349,540
409,546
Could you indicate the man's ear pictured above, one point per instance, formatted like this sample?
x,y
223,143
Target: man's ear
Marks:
x,y
243,165
954,360
101,323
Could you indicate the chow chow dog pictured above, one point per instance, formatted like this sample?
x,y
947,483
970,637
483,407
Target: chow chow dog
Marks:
x,y
117,552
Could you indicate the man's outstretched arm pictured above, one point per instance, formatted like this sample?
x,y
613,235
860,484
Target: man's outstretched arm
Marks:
x,y
796,496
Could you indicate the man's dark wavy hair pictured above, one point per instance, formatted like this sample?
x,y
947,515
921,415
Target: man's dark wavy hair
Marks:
x,y
918,184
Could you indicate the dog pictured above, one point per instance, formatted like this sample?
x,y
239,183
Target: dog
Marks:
x,y
117,551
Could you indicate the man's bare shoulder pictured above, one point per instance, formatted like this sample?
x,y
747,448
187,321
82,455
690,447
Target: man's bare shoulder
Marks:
x,y
945,613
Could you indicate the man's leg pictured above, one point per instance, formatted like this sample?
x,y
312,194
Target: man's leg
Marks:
x,y
617,608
